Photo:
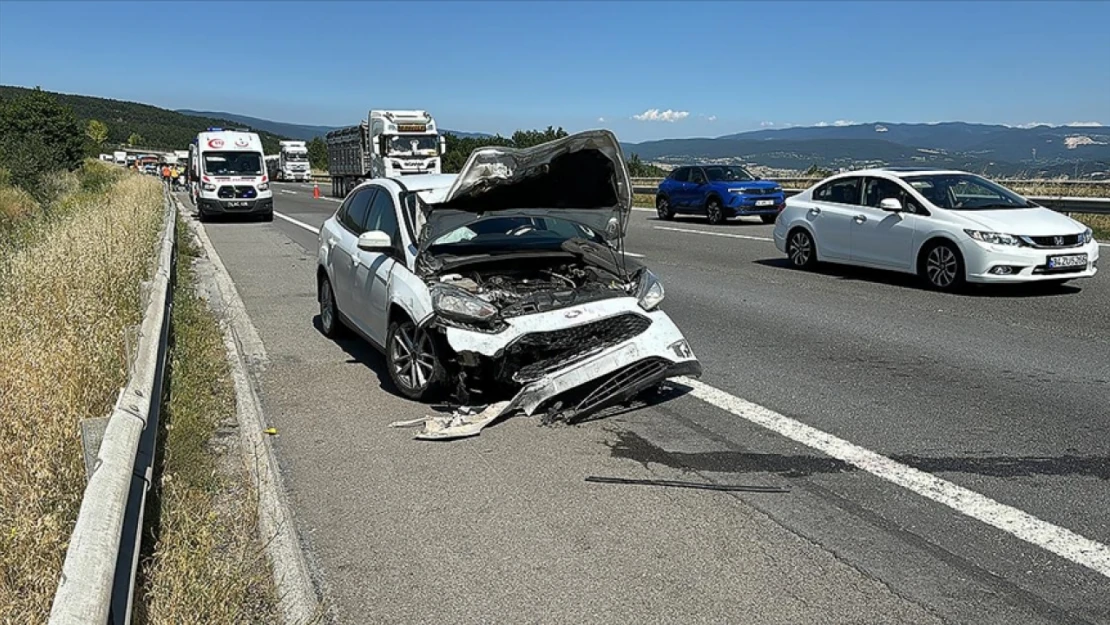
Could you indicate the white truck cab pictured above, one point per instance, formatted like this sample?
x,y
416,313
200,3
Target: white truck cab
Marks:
x,y
293,162
388,144
228,174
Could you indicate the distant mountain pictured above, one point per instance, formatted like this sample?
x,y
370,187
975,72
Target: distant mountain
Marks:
x,y
992,149
294,131
160,128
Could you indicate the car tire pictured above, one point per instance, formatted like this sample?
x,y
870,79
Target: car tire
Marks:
x,y
713,211
801,250
768,219
201,215
268,216
330,322
663,208
941,267
421,378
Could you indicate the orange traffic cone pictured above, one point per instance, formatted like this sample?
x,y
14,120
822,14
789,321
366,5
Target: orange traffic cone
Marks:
x,y
316,190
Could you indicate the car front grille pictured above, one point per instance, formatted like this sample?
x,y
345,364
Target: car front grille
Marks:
x,y
537,353
245,192
1067,240
760,191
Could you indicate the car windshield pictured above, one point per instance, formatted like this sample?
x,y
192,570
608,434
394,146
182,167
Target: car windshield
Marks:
x,y
233,163
727,173
296,157
409,144
965,192
497,235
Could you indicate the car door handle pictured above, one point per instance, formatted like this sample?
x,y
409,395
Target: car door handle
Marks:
x,y
356,261
860,218
331,242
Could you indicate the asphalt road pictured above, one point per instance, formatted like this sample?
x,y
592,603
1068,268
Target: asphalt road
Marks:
x,y
1003,392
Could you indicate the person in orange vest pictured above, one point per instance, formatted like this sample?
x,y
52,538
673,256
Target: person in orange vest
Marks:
x,y
166,174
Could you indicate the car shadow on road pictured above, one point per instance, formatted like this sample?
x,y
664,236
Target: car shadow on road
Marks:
x,y
907,281
362,353
631,446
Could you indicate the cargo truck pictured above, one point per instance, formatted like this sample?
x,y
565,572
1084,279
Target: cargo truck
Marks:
x,y
390,143
120,156
227,175
293,162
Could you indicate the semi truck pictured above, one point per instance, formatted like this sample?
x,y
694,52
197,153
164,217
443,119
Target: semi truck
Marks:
x,y
120,156
227,174
293,162
390,143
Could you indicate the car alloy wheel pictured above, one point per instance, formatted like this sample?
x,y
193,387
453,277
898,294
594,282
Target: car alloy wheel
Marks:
x,y
413,364
663,208
713,211
942,267
329,313
800,249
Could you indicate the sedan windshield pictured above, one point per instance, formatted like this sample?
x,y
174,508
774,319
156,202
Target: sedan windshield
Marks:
x,y
966,192
233,163
495,235
727,173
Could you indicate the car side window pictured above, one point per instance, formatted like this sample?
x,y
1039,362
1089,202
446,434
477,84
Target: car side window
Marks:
x,y
840,191
697,176
383,216
357,210
682,174
878,189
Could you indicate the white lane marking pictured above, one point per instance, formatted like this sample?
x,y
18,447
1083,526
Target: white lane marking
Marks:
x,y
643,210
715,234
633,254
297,222
288,191
1060,541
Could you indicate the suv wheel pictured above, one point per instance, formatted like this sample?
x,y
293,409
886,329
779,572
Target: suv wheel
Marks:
x,y
768,219
663,208
714,212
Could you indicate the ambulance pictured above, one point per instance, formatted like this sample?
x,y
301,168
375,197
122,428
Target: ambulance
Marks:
x,y
227,171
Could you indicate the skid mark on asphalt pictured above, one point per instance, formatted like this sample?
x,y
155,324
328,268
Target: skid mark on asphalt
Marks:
x,y
1018,523
714,234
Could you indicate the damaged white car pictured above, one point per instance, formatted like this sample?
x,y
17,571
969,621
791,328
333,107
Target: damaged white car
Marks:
x,y
504,287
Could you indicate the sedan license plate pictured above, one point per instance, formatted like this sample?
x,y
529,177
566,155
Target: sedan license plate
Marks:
x,y
1071,260
764,202
238,204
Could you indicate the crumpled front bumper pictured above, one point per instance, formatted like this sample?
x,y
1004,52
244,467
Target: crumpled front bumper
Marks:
x,y
614,372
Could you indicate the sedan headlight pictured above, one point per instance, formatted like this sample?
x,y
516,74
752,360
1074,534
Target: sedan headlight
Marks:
x,y
1086,237
996,238
649,291
455,302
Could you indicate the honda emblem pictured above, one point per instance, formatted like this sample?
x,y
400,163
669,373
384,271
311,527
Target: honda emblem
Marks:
x,y
1059,241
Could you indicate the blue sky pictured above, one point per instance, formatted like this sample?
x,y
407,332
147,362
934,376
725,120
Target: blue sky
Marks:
x,y
717,67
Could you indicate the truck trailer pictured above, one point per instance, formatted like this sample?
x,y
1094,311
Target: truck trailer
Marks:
x,y
388,144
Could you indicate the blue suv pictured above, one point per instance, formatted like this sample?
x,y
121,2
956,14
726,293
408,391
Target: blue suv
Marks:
x,y
718,192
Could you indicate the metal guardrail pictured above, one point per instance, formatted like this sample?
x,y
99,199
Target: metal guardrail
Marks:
x,y
98,575
1063,204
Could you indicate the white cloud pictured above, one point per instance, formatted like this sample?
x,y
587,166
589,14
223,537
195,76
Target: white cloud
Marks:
x,y
655,115
841,122
600,119
821,124
1085,125
712,118
766,124
1033,124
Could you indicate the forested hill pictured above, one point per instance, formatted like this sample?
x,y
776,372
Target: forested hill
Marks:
x,y
141,124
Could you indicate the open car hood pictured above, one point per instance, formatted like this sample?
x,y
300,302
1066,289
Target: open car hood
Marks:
x,y
581,178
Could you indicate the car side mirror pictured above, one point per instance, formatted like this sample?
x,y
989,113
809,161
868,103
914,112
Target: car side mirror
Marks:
x,y
891,204
442,145
375,241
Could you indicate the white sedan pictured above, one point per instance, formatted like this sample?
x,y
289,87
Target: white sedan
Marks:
x,y
948,227
507,281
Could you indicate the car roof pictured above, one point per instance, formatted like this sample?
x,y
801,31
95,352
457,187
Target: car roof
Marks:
x,y
427,185
899,172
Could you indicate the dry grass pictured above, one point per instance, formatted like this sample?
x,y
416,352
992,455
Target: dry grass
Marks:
x,y
69,288
1100,224
208,565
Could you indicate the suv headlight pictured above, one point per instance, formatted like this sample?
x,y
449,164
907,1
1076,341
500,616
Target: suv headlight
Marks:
x,y
455,302
649,290
1086,237
738,191
996,238
265,186
208,186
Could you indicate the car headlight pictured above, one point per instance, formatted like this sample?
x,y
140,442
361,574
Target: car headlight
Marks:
x,y
997,238
738,191
208,186
455,302
649,291
264,186
1086,237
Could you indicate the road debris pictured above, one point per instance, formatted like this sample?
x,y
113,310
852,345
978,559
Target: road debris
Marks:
x,y
698,485
459,424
